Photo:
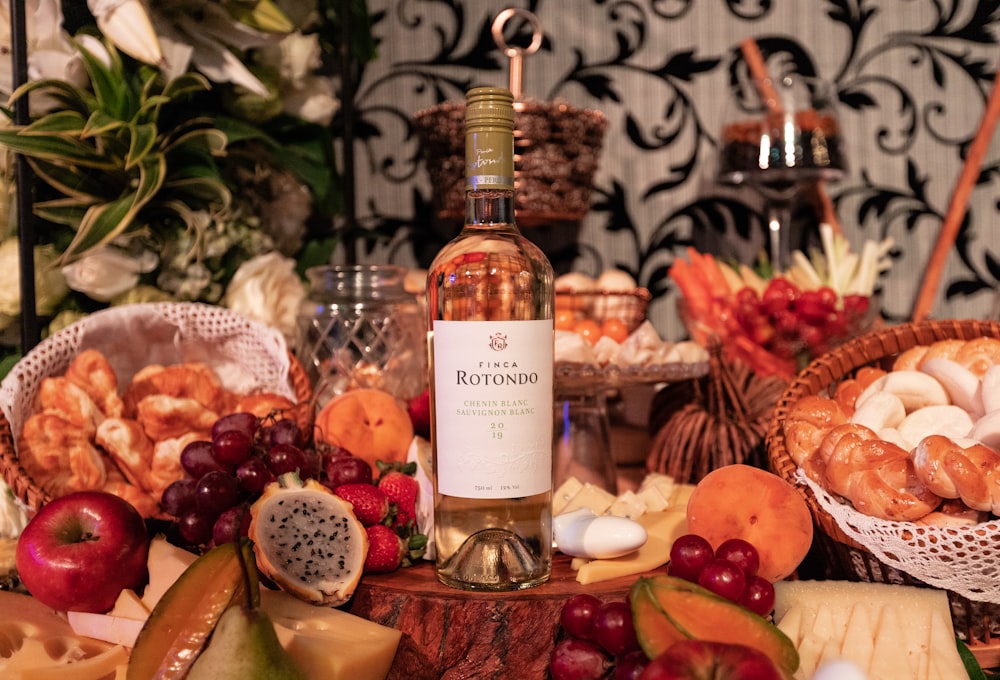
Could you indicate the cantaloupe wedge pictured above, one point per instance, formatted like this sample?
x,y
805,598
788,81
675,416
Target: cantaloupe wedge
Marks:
x,y
666,610
740,501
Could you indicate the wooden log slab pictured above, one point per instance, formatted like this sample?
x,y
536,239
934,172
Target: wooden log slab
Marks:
x,y
452,634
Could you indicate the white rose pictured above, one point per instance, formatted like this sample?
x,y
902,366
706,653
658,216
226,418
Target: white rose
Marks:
x,y
105,273
50,287
267,289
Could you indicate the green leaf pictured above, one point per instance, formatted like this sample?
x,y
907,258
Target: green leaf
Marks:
x,y
186,85
55,123
62,150
102,223
70,97
107,82
100,123
972,666
76,184
143,139
62,212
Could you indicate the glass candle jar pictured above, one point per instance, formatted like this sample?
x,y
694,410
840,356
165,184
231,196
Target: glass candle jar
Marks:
x,y
359,327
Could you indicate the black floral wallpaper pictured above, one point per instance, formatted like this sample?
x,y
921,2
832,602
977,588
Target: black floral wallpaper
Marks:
x,y
911,78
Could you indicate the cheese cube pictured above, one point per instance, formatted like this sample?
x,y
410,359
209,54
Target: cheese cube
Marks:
x,y
629,505
562,495
594,498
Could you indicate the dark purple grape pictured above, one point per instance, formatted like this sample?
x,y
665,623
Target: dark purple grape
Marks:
x,y
247,423
282,458
575,659
631,665
284,431
253,475
688,556
346,469
231,524
758,596
723,578
741,553
613,629
197,459
215,492
178,497
577,615
196,527
231,447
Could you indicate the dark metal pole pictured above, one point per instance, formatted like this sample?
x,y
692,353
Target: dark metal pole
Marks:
x,y
24,177
347,112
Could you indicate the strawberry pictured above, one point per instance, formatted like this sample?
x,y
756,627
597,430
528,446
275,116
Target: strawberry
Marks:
x,y
371,505
399,486
386,550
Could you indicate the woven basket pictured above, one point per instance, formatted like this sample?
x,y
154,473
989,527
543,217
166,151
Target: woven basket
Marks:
x,y
556,152
629,307
976,622
33,496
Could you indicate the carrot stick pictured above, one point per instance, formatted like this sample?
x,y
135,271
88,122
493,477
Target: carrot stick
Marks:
x,y
758,69
959,203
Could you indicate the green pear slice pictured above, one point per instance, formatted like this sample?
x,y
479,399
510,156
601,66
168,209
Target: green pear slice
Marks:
x,y
182,620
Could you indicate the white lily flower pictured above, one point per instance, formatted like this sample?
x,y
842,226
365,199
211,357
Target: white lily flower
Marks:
x,y
213,39
50,51
126,24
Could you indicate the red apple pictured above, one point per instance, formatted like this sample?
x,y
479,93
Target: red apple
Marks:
x,y
419,408
704,660
81,550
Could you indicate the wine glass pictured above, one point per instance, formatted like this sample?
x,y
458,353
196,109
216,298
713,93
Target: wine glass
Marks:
x,y
779,138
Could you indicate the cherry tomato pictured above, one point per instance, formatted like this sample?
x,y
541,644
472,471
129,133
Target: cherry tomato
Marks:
x,y
589,329
565,319
615,329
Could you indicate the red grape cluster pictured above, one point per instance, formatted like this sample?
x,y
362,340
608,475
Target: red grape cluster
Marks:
x,y
786,320
729,571
227,473
600,641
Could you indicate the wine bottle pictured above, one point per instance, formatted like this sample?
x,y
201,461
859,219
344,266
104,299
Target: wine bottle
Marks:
x,y
490,307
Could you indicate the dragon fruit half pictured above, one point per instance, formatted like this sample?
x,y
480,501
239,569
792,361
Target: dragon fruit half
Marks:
x,y
308,541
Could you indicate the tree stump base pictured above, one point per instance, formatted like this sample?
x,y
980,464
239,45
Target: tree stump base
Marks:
x,y
449,633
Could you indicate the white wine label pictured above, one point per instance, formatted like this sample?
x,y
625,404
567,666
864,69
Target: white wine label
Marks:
x,y
493,407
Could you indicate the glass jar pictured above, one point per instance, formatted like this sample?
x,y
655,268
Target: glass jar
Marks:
x,y
359,327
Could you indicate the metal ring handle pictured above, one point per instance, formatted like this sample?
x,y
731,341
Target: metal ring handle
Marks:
x,y
516,54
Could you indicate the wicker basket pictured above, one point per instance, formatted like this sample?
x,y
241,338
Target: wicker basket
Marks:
x,y
976,622
557,148
32,495
629,307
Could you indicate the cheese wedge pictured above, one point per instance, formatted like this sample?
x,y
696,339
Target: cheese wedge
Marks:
x,y
591,497
166,563
329,643
129,606
890,631
662,529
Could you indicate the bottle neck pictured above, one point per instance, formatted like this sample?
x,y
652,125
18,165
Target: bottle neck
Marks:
x,y
491,207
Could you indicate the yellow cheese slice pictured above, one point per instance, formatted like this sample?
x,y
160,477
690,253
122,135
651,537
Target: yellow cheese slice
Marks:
x,y
858,644
117,630
34,661
166,563
129,606
909,628
662,529
328,643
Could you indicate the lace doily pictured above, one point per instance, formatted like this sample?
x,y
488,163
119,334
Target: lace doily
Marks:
x,y
246,355
964,560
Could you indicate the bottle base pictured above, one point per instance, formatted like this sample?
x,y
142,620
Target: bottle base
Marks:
x,y
494,560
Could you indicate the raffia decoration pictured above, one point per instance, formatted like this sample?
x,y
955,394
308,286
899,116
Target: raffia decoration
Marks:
x,y
720,419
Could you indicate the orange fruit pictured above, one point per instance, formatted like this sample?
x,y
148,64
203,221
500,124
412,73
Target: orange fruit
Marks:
x,y
589,329
565,319
615,329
